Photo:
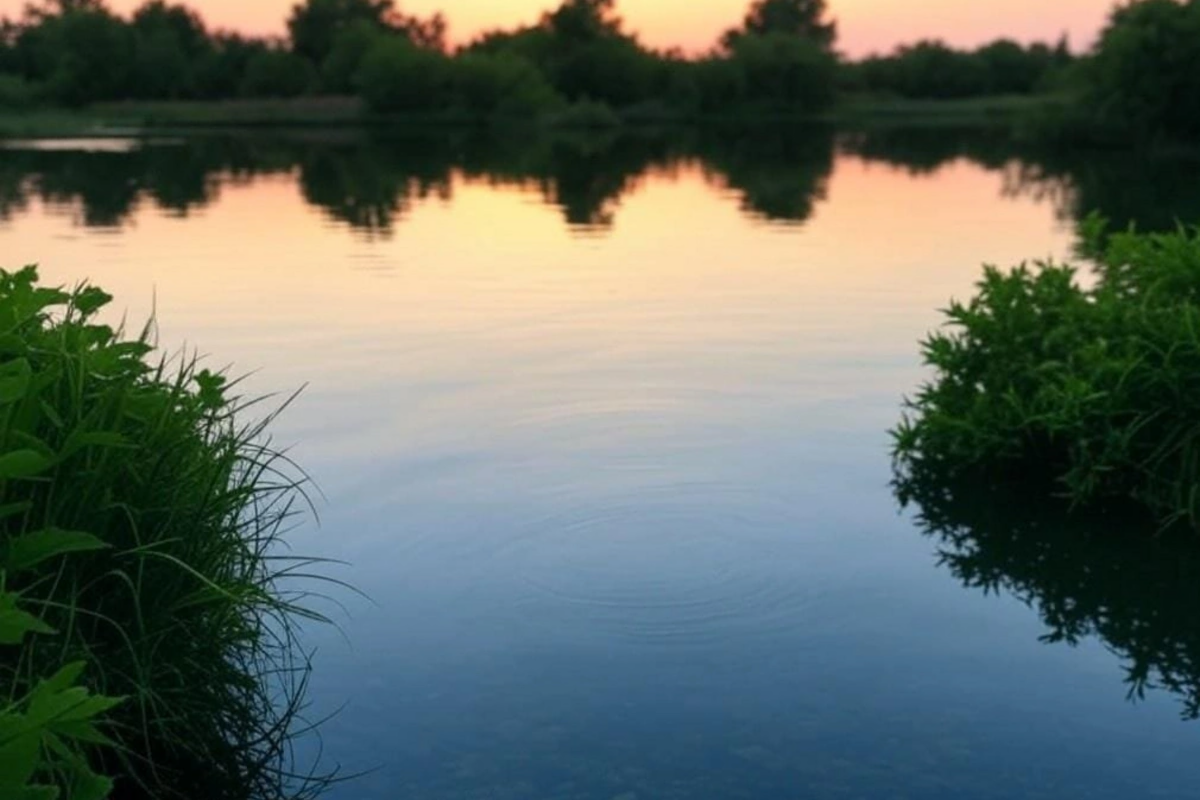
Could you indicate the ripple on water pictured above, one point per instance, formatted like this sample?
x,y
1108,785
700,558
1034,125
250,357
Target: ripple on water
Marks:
x,y
681,565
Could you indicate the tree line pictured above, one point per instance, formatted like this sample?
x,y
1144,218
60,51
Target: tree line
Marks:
x,y
579,59
781,56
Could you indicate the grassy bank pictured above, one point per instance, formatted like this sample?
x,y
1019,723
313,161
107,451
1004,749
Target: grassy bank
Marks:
x,y
120,119
998,109
147,638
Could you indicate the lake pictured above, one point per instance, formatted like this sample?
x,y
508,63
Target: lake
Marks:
x,y
600,425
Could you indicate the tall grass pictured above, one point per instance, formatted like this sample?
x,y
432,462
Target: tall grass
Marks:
x,y
160,512
1095,389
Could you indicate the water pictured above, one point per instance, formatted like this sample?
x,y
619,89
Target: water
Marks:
x,y
601,428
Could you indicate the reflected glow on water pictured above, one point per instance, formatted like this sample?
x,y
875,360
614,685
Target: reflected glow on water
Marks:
x,y
619,491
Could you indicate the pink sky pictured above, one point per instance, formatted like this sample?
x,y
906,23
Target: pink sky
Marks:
x,y
866,25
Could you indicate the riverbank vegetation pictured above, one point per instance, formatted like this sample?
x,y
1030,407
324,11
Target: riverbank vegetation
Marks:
x,y
147,618
781,59
1089,389
578,64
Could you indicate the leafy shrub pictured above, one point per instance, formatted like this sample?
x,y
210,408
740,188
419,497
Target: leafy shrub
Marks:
x,y
1096,389
139,521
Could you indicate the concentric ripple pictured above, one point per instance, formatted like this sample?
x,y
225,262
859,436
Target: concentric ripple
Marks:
x,y
688,564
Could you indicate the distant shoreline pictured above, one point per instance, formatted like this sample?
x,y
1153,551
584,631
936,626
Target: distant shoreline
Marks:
x,y
136,119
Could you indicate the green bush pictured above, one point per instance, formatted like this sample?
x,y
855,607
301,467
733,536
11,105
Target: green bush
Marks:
x,y
139,527
1094,388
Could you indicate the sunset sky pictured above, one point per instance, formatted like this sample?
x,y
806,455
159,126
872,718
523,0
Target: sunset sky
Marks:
x,y
867,25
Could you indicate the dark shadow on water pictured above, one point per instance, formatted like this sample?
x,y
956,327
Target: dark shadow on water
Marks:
x,y
778,174
370,182
1153,191
1102,574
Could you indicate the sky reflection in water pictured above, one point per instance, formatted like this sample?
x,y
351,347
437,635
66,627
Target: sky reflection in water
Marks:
x,y
601,426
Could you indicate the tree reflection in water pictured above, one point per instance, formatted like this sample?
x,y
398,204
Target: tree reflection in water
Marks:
x,y
1105,573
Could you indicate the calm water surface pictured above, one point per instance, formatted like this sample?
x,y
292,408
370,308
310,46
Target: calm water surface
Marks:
x,y
602,431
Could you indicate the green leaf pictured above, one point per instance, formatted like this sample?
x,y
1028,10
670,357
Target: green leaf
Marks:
x,y
14,381
13,509
34,793
19,747
82,731
51,414
64,679
91,299
22,464
31,442
13,345
78,441
15,624
90,786
51,708
31,549
211,389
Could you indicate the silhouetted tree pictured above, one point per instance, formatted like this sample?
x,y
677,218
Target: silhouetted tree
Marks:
x,y
397,76
503,84
315,25
1144,76
581,21
277,73
351,44
221,71
78,49
785,73
170,43
807,19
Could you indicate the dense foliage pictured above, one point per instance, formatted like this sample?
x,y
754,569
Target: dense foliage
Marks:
x,y
138,532
935,71
1093,388
1143,79
781,58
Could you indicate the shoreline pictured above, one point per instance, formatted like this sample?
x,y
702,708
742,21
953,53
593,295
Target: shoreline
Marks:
x,y
137,120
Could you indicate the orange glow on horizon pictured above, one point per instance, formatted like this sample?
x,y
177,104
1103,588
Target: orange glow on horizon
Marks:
x,y
866,25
